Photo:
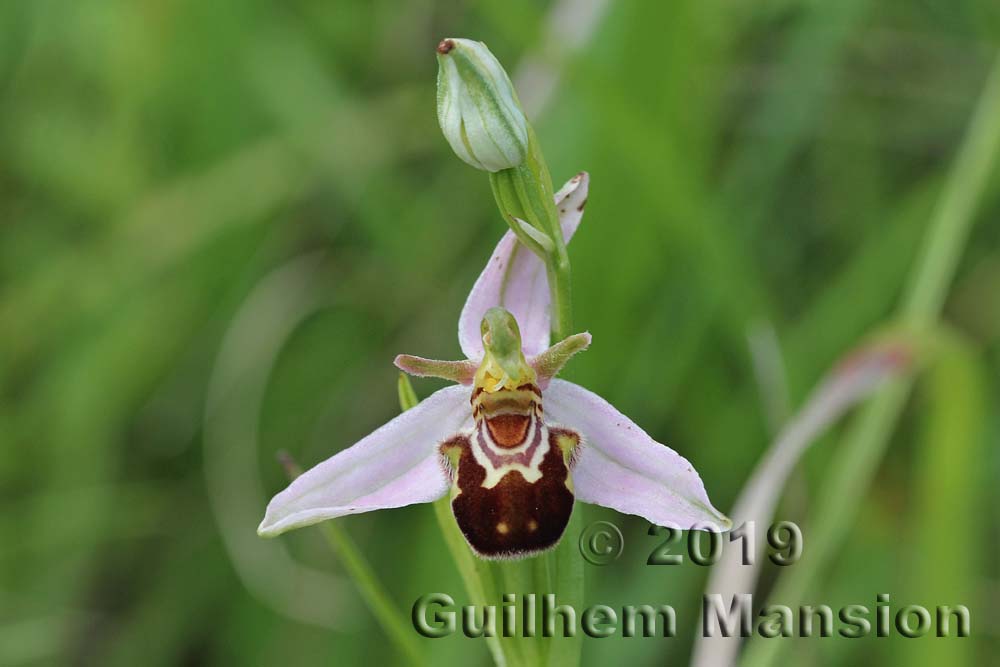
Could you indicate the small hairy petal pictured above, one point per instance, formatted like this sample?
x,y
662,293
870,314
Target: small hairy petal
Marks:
x,y
394,466
621,467
515,279
461,372
548,364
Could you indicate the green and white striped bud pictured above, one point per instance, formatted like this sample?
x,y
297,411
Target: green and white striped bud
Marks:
x,y
477,107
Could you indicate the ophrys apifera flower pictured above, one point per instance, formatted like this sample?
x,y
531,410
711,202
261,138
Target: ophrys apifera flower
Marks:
x,y
514,446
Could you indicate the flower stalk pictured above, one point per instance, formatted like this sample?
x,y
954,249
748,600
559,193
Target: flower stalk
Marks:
x,y
482,119
524,194
526,199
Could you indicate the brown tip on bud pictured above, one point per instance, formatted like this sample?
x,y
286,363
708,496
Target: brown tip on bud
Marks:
x,y
445,46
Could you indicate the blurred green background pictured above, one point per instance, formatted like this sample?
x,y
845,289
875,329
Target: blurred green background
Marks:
x,y
219,222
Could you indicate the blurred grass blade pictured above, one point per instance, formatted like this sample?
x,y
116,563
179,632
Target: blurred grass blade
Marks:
x,y
407,396
850,382
770,373
852,471
947,478
569,25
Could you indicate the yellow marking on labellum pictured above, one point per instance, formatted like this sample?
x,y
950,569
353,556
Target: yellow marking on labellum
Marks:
x,y
503,528
568,443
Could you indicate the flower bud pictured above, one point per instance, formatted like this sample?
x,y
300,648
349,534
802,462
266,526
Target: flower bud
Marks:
x,y
477,107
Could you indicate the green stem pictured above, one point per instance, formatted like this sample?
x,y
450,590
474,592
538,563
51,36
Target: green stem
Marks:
x,y
562,570
855,466
372,592
954,214
558,271
525,192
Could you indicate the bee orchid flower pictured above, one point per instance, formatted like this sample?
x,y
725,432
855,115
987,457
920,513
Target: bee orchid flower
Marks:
x,y
514,445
